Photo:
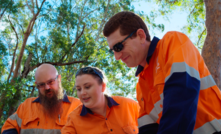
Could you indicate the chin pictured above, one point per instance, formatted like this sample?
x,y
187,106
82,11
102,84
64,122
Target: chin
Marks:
x,y
131,65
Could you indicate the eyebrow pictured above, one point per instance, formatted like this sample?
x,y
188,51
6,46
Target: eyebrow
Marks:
x,y
46,81
83,84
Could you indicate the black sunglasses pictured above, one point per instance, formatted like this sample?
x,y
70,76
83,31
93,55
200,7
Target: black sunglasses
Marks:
x,y
89,70
119,46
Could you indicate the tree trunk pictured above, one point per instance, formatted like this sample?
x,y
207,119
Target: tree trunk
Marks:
x,y
211,51
18,64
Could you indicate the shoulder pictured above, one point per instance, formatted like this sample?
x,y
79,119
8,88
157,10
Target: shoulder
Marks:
x,y
74,103
73,99
173,41
29,101
175,37
28,106
124,100
76,112
174,34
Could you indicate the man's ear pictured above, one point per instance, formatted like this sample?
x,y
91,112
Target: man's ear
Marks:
x,y
103,87
59,77
141,34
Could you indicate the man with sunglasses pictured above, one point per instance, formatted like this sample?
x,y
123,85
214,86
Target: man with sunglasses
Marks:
x,y
175,91
46,113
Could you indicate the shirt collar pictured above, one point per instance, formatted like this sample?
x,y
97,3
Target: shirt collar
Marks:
x,y
65,99
152,48
110,102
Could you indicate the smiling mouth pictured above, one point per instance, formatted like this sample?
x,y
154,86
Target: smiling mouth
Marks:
x,y
86,99
124,60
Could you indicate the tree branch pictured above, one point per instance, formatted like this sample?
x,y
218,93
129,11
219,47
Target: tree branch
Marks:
x,y
195,7
58,63
80,17
103,21
74,43
33,5
26,35
36,4
200,37
4,11
13,59
40,7
30,8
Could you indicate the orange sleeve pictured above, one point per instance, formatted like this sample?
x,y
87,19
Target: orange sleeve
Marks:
x,y
69,127
13,123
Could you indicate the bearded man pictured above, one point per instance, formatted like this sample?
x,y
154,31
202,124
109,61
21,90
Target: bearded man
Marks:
x,y
45,114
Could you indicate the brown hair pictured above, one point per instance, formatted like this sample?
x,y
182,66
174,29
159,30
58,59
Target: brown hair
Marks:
x,y
94,71
128,22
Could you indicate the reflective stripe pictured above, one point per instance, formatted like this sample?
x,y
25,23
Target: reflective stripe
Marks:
x,y
40,131
157,109
153,116
209,127
183,67
145,120
207,82
15,117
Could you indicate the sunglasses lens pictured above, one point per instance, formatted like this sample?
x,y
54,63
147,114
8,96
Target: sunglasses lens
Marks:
x,y
118,47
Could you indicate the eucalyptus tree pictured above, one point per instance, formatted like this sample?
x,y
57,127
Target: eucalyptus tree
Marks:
x,y
65,33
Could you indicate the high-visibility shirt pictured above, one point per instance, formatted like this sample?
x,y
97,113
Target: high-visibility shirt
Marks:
x,y
31,119
121,117
175,90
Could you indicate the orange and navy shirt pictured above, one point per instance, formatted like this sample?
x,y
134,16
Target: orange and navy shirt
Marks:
x,y
30,118
175,90
121,118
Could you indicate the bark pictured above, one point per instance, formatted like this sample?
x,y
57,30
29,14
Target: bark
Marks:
x,y
18,64
211,51
26,66
16,47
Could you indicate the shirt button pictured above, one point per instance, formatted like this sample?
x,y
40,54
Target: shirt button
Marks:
x,y
106,118
111,130
141,99
134,130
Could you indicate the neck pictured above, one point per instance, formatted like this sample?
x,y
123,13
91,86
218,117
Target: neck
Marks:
x,y
101,110
147,46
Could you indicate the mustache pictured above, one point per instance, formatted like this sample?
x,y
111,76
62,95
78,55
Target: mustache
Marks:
x,y
49,90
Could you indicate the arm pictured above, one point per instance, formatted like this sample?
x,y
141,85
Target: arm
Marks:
x,y
69,127
13,123
182,85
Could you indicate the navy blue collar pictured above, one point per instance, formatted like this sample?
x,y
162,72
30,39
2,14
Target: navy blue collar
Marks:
x,y
65,99
151,50
110,102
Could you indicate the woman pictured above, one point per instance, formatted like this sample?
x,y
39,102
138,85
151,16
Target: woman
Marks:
x,y
99,113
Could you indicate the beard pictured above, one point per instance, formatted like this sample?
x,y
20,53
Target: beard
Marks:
x,y
52,105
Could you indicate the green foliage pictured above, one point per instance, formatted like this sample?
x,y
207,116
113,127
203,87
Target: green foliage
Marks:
x,y
64,32
195,28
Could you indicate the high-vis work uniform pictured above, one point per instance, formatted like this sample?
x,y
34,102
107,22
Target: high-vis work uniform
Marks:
x,y
31,119
175,91
121,118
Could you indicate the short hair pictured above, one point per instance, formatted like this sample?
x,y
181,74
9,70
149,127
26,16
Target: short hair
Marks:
x,y
94,71
128,22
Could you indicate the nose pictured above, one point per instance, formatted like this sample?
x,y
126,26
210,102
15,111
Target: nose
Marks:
x,y
83,92
117,55
47,86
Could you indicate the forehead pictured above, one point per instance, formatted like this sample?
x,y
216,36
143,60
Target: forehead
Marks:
x,y
114,38
45,76
85,78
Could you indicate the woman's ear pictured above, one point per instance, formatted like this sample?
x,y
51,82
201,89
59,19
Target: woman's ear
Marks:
x,y
103,87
